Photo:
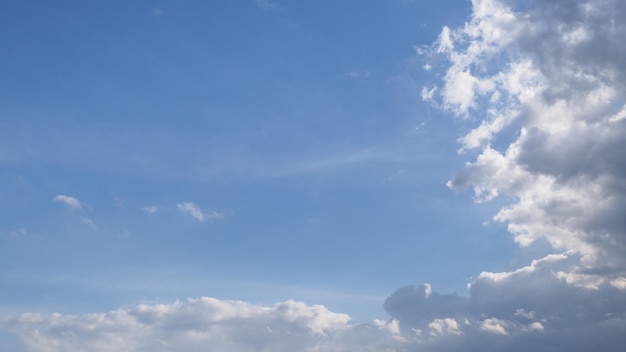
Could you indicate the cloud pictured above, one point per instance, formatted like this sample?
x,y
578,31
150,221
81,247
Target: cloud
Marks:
x,y
195,211
151,209
528,308
21,232
511,311
71,202
547,85
197,323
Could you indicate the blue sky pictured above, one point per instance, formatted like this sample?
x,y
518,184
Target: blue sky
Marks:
x,y
265,151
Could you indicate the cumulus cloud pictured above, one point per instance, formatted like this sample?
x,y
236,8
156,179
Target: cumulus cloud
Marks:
x,y
522,310
69,201
545,82
199,325
531,308
550,74
195,211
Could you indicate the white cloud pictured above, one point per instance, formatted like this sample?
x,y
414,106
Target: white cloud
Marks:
x,y
191,209
619,283
69,201
195,324
195,211
547,83
444,326
493,325
529,310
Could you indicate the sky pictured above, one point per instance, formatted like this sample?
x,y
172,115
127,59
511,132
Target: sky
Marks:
x,y
257,175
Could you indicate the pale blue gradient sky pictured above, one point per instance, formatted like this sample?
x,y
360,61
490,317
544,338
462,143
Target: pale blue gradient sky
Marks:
x,y
299,125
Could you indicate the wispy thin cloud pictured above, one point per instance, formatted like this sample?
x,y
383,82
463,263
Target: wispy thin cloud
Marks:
x,y
21,232
214,215
69,201
150,209
89,222
195,211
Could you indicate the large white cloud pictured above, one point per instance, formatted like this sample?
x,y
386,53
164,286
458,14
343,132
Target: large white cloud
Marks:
x,y
203,324
546,81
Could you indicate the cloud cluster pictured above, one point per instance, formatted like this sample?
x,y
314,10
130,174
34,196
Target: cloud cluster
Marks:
x,y
203,324
531,308
527,309
547,84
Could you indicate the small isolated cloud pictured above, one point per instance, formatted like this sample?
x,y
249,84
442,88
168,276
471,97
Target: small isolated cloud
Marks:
x,y
195,211
69,201
157,12
151,209
358,74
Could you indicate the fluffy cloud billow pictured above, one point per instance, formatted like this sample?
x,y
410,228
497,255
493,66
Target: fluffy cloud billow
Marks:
x,y
203,324
531,308
545,83
551,75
